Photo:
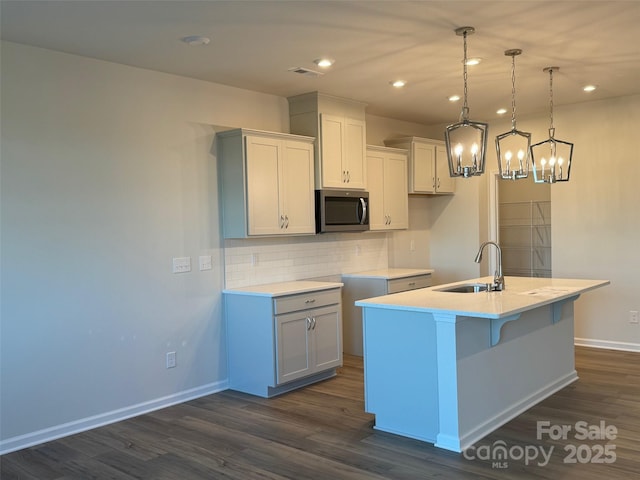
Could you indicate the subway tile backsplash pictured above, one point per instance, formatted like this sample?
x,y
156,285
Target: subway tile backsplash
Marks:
x,y
269,260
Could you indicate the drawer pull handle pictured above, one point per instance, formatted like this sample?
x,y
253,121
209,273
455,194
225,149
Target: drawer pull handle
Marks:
x,y
313,323
411,284
311,300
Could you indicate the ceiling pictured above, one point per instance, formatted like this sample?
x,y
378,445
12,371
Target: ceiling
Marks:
x,y
255,43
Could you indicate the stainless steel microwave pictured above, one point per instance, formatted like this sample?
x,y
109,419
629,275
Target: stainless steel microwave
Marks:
x,y
342,211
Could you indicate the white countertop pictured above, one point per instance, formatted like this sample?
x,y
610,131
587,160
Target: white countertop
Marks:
x,y
390,273
283,288
520,294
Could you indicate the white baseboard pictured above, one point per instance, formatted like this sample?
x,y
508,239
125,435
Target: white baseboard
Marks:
x,y
81,425
607,344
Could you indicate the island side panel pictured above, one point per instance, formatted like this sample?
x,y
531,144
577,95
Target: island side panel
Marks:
x,y
400,372
533,360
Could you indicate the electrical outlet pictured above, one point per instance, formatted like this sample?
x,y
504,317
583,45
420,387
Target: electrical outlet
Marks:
x,y
633,317
171,359
358,251
412,246
254,259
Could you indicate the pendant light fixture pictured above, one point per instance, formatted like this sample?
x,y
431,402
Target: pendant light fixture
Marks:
x,y
513,146
466,140
551,159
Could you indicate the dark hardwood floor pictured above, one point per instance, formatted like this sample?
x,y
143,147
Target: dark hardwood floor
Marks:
x,y
322,432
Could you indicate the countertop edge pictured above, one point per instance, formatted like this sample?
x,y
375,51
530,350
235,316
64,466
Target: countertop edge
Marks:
x,y
283,289
391,273
534,302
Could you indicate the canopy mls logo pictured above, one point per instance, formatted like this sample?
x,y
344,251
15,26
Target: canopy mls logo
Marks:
x,y
500,454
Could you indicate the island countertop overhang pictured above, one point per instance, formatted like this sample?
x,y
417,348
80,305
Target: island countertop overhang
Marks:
x,y
520,294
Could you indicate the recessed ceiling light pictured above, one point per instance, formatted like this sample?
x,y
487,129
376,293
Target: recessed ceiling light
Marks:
x,y
324,62
398,83
501,111
473,61
589,88
454,98
196,40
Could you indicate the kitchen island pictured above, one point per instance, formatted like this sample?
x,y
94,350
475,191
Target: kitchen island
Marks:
x,y
449,368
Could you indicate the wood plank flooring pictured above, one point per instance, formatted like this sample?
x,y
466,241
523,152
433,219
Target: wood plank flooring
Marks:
x,y
322,432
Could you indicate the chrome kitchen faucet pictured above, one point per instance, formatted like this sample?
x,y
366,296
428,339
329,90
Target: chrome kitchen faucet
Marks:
x,y
498,278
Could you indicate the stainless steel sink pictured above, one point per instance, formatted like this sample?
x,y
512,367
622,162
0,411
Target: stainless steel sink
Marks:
x,y
465,288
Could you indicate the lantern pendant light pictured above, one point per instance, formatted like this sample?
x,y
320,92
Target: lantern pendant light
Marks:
x,y
466,141
512,147
551,159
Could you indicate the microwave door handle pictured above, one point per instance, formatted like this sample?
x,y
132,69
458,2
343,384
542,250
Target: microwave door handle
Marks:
x,y
364,211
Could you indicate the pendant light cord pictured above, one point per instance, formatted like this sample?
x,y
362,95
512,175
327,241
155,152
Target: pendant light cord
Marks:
x,y
552,130
513,92
465,107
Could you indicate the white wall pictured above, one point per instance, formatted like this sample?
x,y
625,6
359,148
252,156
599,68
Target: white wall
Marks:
x,y
106,175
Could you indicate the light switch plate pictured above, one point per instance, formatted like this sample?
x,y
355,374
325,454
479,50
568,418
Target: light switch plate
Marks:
x,y
181,264
204,261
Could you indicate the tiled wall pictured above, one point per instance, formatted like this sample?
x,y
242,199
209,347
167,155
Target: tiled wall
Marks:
x,y
268,260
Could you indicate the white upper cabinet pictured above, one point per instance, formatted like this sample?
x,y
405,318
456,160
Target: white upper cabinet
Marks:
x,y
339,126
428,166
387,183
266,183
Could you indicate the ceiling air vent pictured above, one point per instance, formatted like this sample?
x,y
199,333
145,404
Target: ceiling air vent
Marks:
x,y
306,72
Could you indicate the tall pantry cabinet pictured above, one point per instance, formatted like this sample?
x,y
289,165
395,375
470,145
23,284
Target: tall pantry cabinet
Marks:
x,y
338,124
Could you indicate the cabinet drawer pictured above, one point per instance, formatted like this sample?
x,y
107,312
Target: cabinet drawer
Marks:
x,y
408,283
304,301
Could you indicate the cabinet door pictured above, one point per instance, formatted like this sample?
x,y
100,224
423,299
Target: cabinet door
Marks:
x,y
354,153
396,196
297,188
445,182
292,346
332,140
263,171
326,337
423,175
375,182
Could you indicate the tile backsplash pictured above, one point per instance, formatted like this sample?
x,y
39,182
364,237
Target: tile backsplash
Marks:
x,y
269,260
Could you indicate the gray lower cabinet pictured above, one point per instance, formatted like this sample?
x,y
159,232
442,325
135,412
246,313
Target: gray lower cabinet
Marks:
x,y
374,283
279,342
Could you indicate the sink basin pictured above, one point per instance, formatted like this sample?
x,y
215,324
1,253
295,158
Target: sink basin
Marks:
x,y
465,288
